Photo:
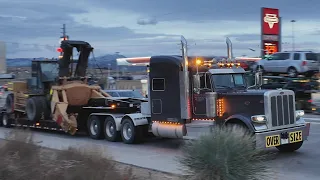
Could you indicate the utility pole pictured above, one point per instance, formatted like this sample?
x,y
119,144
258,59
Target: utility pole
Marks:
x,y
64,30
293,21
64,33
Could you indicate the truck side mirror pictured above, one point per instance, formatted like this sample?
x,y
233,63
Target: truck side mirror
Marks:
x,y
196,83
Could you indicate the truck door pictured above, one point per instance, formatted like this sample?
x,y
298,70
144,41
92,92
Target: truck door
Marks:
x,y
198,97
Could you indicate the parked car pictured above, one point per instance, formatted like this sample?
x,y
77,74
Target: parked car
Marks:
x,y
292,63
125,93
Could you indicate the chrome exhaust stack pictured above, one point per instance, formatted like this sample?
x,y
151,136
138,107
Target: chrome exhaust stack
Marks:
x,y
229,50
184,76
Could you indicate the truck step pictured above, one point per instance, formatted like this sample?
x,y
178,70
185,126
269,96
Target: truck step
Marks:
x,y
200,123
197,128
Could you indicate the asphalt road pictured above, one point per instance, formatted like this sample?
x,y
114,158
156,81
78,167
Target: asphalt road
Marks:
x,y
160,154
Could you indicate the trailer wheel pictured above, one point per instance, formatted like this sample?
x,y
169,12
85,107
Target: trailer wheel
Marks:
x,y
110,130
9,103
289,147
94,127
129,133
34,109
5,121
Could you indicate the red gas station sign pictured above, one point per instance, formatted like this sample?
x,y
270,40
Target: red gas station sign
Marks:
x,y
270,21
270,31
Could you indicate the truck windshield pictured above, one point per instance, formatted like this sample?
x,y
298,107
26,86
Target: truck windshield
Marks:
x,y
228,81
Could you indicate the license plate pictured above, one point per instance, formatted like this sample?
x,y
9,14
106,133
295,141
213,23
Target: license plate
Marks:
x,y
295,136
272,141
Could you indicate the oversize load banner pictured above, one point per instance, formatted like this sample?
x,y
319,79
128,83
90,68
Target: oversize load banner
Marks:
x,y
270,21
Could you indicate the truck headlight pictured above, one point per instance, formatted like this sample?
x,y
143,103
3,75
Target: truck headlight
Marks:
x,y
299,114
259,119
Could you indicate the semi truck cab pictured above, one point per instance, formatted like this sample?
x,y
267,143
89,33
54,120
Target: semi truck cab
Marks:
x,y
188,96
218,95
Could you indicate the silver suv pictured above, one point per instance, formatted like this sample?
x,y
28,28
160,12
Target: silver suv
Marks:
x,y
291,62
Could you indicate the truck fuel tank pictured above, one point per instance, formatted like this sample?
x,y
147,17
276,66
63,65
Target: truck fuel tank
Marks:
x,y
168,130
211,99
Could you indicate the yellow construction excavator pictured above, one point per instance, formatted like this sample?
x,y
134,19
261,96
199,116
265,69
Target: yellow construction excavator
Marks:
x,y
57,96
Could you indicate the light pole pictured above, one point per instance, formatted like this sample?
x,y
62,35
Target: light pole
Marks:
x,y
293,21
117,67
109,68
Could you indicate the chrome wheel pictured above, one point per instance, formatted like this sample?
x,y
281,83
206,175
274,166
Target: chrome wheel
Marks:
x,y
127,131
94,127
110,129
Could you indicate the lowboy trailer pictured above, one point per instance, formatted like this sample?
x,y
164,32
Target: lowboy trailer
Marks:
x,y
187,97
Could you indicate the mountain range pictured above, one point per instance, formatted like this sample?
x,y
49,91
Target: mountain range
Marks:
x,y
104,62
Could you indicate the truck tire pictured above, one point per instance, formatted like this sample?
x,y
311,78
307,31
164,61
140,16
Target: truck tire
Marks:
x,y
130,134
110,130
289,147
10,103
5,121
34,109
94,126
46,110
241,126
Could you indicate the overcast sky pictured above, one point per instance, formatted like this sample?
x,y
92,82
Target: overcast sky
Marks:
x,y
31,28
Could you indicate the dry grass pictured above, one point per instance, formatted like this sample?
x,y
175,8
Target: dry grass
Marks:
x,y
23,160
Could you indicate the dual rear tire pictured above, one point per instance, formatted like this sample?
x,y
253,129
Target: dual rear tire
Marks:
x,y
106,127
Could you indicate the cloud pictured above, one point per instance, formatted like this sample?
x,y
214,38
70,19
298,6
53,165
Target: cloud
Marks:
x,y
144,27
147,21
246,10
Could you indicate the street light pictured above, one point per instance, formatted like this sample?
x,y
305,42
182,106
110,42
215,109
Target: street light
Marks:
x,y
293,21
109,68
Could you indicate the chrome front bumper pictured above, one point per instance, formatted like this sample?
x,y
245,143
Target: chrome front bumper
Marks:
x,y
261,136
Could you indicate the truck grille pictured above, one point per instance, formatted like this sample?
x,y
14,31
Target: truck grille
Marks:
x,y
282,110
